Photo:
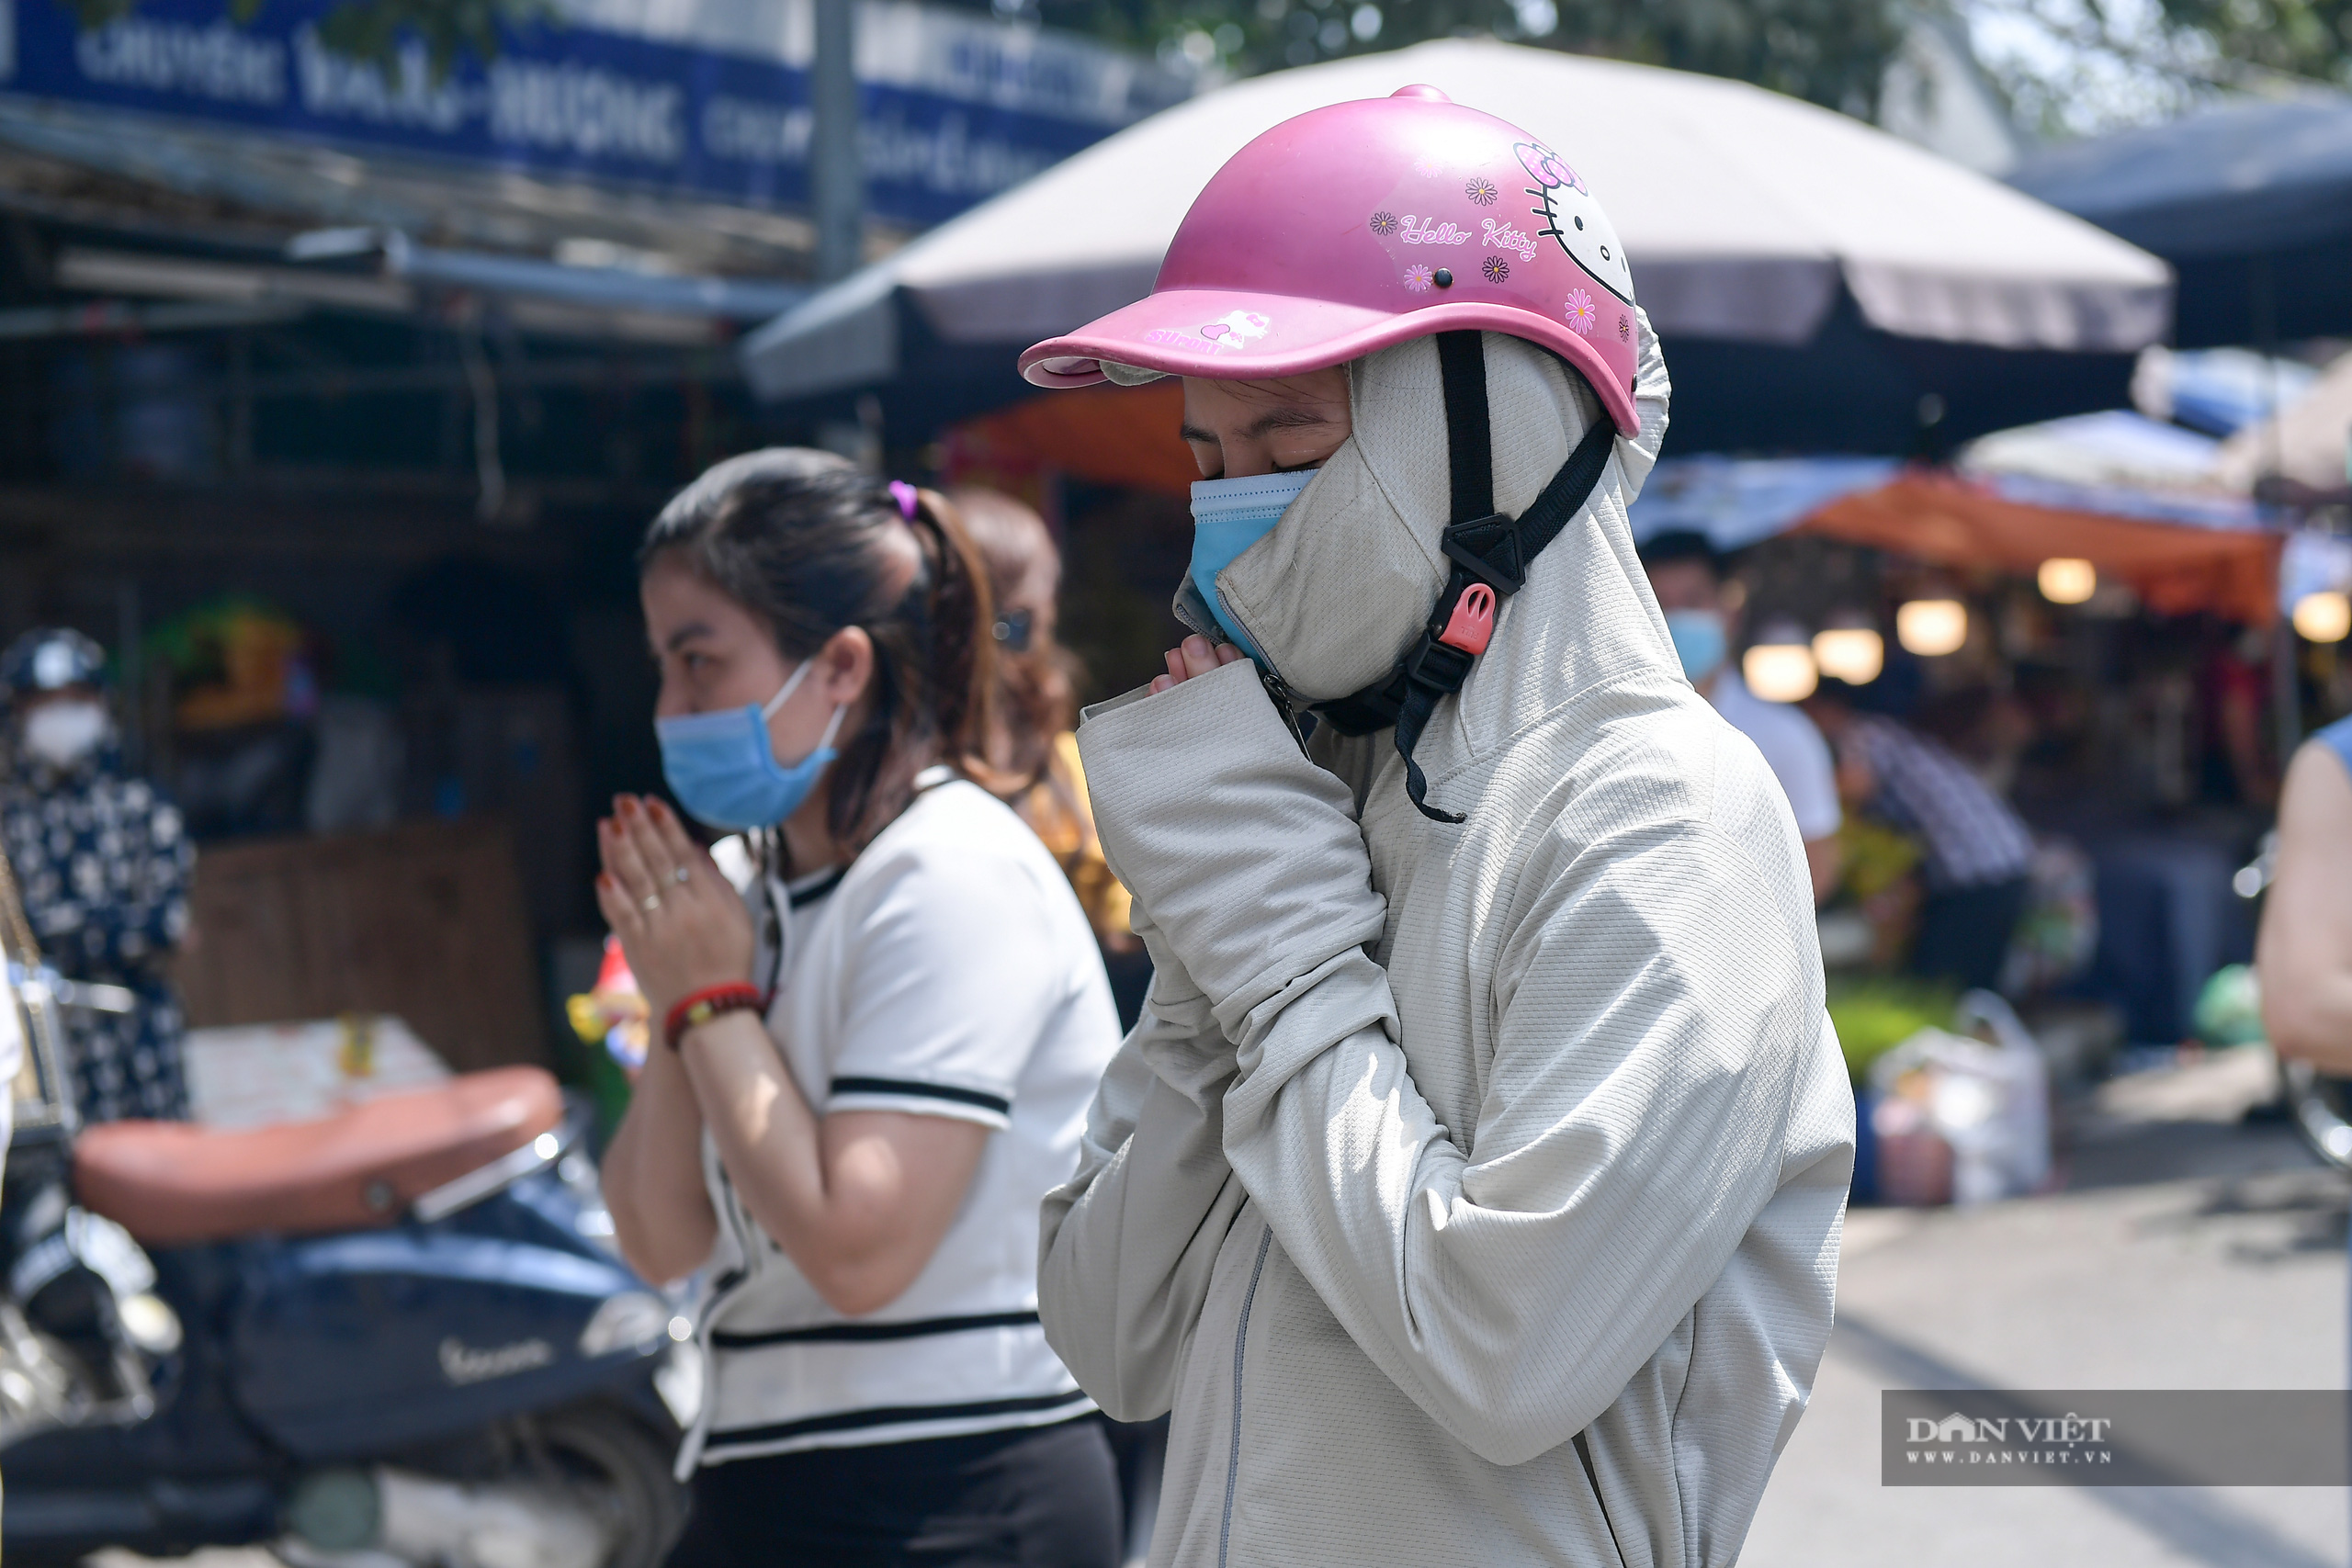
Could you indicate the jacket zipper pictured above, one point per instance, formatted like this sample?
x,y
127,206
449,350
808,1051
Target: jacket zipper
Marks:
x,y
1193,610
1240,1338
1593,1479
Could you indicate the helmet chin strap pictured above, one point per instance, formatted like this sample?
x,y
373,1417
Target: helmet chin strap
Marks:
x,y
1490,554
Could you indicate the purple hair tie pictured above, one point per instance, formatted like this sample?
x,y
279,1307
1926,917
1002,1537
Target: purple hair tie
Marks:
x,y
908,498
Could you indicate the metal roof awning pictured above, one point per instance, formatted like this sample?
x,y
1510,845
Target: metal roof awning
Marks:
x,y
405,277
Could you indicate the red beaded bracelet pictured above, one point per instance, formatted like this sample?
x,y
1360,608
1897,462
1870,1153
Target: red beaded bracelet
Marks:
x,y
700,1007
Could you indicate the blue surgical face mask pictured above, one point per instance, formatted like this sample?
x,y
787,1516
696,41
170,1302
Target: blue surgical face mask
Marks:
x,y
1699,641
1228,516
722,766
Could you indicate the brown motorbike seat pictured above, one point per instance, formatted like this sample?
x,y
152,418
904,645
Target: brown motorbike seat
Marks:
x,y
171,1184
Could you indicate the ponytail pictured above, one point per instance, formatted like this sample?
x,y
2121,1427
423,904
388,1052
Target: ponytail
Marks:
x,y
810,544
962,611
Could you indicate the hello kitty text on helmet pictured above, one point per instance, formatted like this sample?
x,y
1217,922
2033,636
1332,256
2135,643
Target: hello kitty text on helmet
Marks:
x,y
1355,227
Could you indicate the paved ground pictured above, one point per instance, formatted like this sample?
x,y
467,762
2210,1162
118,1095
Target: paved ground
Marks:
x,y
2190,1251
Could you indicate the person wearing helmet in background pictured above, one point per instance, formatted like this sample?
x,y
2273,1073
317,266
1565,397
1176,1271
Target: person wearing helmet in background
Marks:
x,y
1471,1187
103,865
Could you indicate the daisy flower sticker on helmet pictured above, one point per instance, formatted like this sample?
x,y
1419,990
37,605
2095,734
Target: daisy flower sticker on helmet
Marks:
x,y
1582,317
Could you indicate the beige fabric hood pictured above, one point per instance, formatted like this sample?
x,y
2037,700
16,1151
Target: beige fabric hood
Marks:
x,y
1345,581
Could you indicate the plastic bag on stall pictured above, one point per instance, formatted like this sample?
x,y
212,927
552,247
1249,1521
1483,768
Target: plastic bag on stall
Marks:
x,y
1984,1100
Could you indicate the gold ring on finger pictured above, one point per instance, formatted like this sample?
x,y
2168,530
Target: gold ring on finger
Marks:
x,y
649,903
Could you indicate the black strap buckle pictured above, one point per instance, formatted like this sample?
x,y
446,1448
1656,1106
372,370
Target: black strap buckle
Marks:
x,y
1488,548
1435,665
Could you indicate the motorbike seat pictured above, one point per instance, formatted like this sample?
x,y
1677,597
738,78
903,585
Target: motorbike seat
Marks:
x,y
173,1183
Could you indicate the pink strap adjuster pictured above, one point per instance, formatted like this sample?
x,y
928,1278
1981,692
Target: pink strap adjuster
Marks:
x,y
1471,626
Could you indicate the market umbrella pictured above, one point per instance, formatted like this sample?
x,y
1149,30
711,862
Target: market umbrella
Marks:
x,y
2250,203
2307,444
1817,281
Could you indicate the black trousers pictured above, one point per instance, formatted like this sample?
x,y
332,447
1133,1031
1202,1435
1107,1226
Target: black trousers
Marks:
x,y
1965,932
1037,1498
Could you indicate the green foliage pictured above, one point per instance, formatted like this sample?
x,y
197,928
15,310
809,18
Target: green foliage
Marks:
x,y
2082,67
1831,51
374,29
1874,1014
2290,37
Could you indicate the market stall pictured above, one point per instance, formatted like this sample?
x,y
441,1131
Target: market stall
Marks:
x,y
2100,656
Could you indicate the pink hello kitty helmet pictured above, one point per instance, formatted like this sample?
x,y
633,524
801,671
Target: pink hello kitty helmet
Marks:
x,y
1351,228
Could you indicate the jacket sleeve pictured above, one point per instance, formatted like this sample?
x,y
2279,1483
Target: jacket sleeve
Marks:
x,y
1643,1056
1127,1246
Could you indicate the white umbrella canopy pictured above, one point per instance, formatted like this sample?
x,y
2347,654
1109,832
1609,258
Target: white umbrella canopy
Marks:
x,y
2308,442
1743,213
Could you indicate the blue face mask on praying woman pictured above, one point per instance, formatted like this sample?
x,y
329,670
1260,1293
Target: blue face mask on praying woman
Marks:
x,y
722,766
1228,516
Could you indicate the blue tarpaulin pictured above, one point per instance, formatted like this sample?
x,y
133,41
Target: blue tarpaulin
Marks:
x,y
2252,203
1736,501
2248,177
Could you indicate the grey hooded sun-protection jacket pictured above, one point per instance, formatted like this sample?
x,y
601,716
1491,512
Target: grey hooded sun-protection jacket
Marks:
x,y
1471,1193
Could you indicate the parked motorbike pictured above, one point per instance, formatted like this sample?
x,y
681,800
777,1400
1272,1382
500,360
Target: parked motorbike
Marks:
x,y
396,1335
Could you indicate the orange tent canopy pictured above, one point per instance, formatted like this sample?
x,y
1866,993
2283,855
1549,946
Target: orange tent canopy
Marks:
x,y
1112,435
2175,568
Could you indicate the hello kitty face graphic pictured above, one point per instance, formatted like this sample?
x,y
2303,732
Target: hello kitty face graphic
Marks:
x,y
1235,328
1574,219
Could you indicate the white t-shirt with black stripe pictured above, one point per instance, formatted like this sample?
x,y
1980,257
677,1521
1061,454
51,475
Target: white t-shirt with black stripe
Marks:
x,y
949,972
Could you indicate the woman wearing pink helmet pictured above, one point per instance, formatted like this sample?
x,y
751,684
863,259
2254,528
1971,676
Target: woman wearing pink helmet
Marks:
x,y
1471,1187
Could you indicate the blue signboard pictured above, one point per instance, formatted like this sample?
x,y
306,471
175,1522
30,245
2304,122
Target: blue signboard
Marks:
x,y
952,108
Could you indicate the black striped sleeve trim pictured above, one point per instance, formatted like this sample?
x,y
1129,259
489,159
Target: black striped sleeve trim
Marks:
x,y
815,890
908,1089
891,1416
860,1332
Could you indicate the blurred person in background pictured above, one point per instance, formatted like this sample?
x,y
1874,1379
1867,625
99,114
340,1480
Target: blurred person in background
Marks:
x,y
1687,577
1988,729
866,1070
103,863
1032,751
1977,853
2304,952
